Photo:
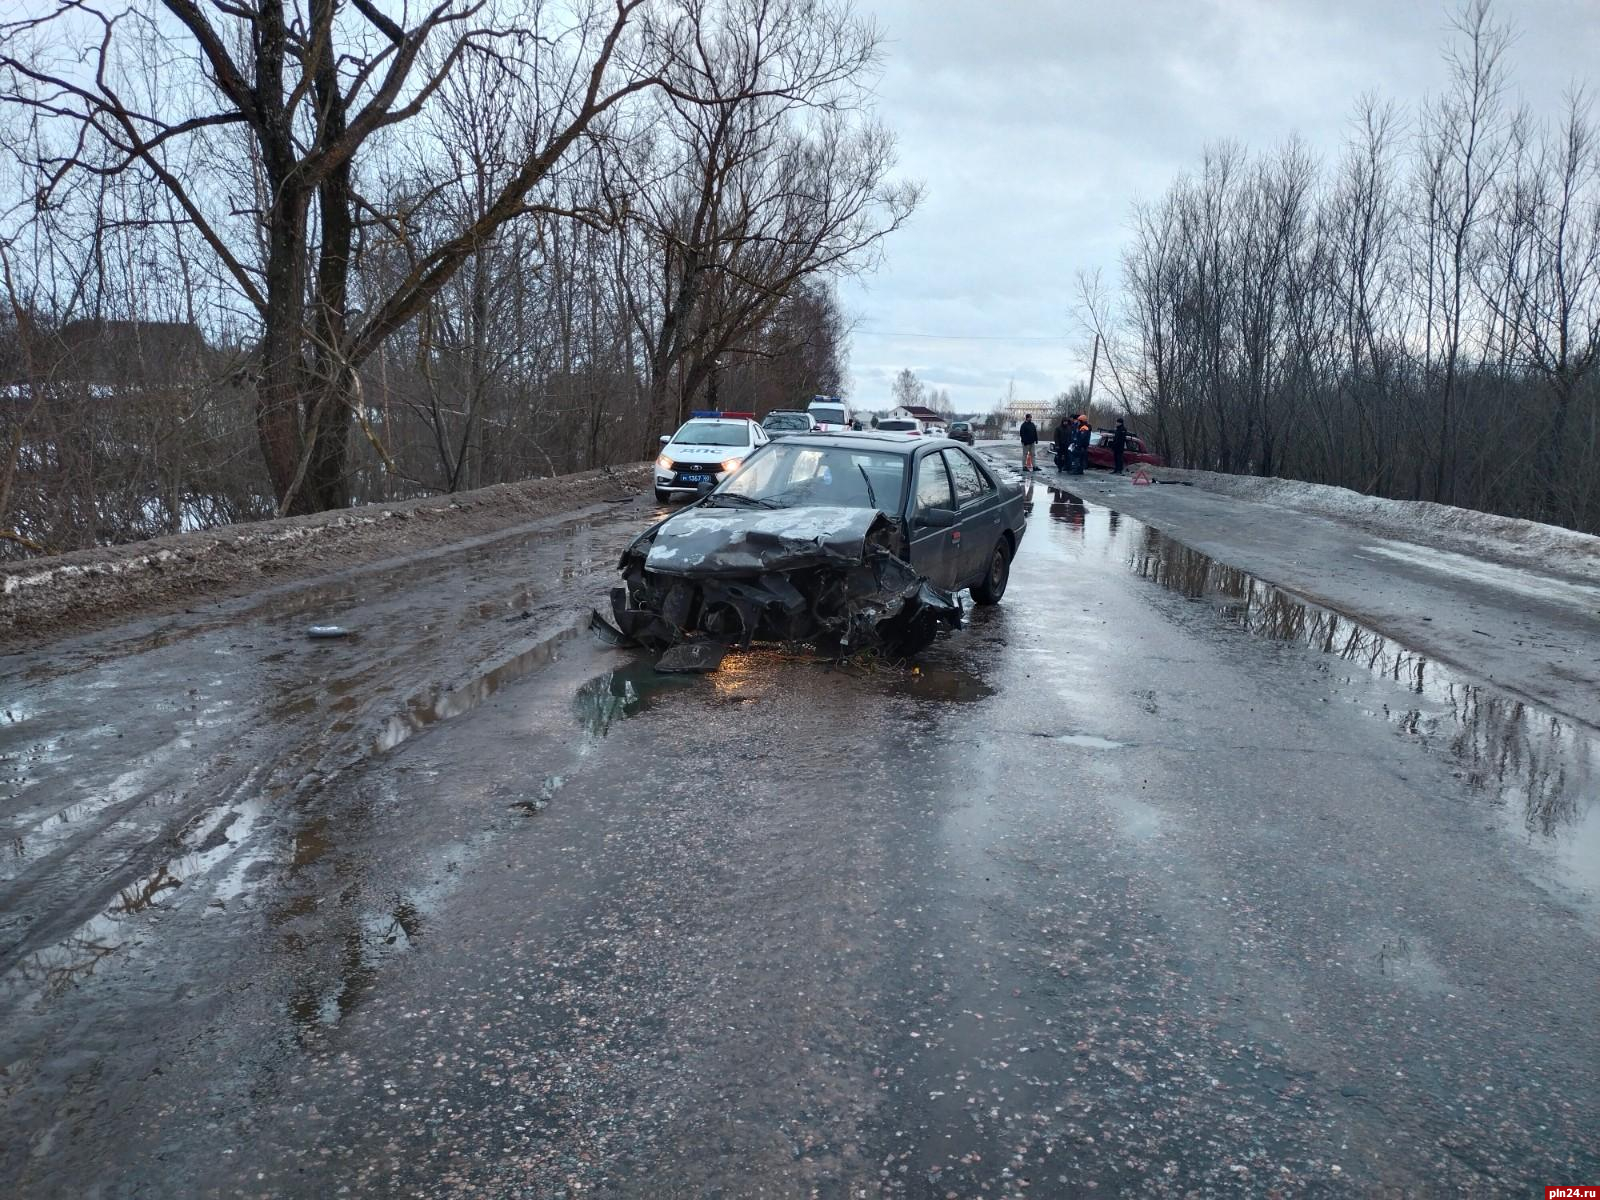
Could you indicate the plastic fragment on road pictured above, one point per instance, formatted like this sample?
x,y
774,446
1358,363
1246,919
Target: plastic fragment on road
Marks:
x,y
692,657
608,633
327,631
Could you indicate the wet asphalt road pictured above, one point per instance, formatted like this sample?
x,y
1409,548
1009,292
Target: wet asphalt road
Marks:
x,y
1152,880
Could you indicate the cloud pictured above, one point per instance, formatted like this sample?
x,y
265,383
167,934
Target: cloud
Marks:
x,y
1037,124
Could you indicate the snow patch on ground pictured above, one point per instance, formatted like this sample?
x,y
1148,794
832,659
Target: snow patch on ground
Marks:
x,y
1510,539
1583,597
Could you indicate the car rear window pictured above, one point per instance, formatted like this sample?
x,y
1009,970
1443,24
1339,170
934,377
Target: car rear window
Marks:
x,y
786,421
897,426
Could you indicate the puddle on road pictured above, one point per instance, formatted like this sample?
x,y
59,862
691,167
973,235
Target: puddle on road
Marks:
x,y
625,692
1538,770
1064,507
426,709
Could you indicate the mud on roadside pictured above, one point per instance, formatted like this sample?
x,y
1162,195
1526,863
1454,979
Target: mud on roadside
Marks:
x,y
89,588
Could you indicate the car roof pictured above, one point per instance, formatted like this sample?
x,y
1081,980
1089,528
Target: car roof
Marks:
x,y
893,443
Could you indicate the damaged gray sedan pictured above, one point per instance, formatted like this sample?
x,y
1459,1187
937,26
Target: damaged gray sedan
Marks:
x,y
841,541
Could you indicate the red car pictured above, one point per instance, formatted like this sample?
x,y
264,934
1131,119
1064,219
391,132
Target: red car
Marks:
x,y
1136,451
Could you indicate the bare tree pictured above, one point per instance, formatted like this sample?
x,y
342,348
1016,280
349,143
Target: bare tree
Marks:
x,y
909,391
774,176
309,92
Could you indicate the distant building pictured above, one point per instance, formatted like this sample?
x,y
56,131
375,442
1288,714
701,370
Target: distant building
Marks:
x,y
918,412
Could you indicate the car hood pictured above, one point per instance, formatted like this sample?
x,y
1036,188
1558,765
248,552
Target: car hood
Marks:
x,y
699,453
714,541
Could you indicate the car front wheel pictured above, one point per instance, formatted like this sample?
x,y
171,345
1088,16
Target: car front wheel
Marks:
x,y
993,585
663,497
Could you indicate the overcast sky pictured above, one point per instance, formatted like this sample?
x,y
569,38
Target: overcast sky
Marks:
x,y
1036,124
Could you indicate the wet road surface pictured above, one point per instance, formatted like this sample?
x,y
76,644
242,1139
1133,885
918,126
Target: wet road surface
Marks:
x,y
1153,880
1535,633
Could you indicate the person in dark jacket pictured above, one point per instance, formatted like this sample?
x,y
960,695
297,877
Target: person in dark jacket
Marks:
x,y
1063,443
1119,446
1080,445
1030,439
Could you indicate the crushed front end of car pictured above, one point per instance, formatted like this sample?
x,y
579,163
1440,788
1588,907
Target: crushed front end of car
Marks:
x,y
827,577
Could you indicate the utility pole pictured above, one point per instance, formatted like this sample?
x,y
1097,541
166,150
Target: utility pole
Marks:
x,y
1094,361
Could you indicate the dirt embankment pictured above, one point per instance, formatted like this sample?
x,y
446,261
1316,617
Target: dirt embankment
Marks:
x,y
90,587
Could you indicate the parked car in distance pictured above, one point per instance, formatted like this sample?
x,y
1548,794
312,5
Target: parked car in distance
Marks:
x,y
1136,452
906,425
830,414
704,452
782,423
960,431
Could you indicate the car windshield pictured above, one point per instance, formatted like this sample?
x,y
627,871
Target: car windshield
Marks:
x,y
786,421
713,433
829,414
784,475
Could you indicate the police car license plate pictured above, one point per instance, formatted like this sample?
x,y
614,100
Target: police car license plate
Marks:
x,y
694,479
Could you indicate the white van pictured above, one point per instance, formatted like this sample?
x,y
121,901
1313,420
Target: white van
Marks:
x,y
830,414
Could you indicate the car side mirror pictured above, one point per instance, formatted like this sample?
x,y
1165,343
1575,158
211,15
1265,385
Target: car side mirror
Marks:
x,y
936,518
665,438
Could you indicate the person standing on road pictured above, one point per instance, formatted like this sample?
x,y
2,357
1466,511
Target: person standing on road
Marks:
x,y
1064,443
1030,439
1119,446
1080,456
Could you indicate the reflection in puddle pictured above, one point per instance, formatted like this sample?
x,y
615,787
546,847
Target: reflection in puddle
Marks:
x,y
1539,768
624,692
1065,507
949,684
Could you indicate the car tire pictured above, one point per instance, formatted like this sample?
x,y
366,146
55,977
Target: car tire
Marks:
x,y
663,497
993,585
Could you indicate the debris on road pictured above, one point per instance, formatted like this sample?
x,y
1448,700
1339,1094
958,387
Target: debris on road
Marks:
x,y
692,657
327,631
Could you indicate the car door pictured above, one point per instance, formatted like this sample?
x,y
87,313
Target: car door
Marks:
x,y
935,548
980,518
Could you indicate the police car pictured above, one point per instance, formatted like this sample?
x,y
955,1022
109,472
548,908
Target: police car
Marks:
x,y
706,448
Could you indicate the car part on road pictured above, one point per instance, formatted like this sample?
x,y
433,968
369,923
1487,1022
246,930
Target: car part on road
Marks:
x,y
327,631
692,658
607,632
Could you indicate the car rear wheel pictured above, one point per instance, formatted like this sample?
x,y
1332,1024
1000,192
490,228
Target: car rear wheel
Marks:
x,y
993,585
